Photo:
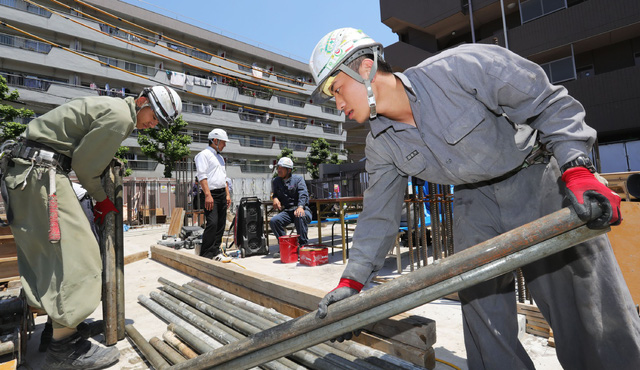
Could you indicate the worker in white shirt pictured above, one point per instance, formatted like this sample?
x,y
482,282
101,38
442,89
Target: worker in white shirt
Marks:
x,y
212,175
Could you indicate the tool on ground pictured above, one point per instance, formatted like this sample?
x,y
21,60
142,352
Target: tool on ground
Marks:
x,y
492,258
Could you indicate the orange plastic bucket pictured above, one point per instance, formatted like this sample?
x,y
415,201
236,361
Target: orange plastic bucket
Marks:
x,y
288,248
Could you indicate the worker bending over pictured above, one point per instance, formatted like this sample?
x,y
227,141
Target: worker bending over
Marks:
x,y
516,148
64,278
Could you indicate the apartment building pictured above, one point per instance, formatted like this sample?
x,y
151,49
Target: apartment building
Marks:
x,y
592,47
53,51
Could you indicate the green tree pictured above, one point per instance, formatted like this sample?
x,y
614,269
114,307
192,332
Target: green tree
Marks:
x,y
120,154
10,130
320,153
166,145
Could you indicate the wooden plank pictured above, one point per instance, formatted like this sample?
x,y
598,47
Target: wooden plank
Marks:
x,y
5,230
292,299
177,219
626,246
8,269
8,250
136,257
425,358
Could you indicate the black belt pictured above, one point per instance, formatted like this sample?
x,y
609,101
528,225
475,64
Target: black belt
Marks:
x,y
41,154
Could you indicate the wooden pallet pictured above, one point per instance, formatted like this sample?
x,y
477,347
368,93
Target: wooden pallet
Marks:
x,y
8,256
536,324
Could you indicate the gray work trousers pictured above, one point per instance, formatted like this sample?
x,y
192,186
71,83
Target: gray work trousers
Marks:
x,y
580,291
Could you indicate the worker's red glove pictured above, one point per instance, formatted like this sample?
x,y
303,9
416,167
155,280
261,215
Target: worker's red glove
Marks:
x,y
101,209
583,190
345,289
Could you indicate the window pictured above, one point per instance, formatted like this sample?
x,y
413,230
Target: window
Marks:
x,y
532,9
560,70
637,58
620,157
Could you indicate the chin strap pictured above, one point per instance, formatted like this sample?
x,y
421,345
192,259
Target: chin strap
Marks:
x,y
371,99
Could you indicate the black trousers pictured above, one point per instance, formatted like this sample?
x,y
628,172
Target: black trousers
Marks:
x,y
216,223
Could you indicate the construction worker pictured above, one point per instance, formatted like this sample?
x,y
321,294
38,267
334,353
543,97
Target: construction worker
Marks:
x,y
291,198
489,122
64,277
212,174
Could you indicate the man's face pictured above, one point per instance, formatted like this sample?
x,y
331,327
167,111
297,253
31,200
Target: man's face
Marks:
x,y
146,118
283,172
218,144
351,97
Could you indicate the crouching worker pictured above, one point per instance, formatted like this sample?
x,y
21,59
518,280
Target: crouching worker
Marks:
x,y
61,270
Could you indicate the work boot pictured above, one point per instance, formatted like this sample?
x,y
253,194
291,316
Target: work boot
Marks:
x,y
45,337
75,352
90,329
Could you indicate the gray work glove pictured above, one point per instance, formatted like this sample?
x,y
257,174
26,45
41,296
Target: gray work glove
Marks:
x,y
346,288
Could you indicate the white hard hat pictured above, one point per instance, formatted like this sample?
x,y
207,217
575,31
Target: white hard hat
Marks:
x,y
332,54
285,162
218,133
165,103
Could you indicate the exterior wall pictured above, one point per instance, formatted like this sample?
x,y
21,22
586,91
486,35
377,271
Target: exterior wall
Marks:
x,y
62,75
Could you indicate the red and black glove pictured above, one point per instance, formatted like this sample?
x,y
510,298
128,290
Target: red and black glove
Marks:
x,y
345,289
101,209
583,190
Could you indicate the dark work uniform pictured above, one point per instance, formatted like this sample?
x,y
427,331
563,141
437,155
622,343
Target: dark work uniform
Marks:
x,y
291,193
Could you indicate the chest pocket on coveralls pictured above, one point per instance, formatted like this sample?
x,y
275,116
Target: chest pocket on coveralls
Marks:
x,y
462,126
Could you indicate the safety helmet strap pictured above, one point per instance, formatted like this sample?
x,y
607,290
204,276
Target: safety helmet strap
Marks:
x,y
371,99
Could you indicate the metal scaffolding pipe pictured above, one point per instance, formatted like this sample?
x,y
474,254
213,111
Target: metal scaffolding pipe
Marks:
x,y
108,248
166,351
174,341
210,313
173,318
258,323
497,256
270,314
147,350
192,340
118,173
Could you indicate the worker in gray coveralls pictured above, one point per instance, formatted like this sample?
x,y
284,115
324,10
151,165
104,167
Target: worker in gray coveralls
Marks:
x,y
64,278
515,146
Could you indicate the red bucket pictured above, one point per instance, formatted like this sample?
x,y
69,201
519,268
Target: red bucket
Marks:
x,y
288,248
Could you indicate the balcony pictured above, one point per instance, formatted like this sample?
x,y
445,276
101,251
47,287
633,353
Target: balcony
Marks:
x,y
23,43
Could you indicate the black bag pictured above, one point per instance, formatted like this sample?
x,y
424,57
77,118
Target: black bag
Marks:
x,y
249,229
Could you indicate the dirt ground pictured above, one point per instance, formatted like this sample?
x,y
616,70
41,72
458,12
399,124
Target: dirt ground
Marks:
x,y
141,278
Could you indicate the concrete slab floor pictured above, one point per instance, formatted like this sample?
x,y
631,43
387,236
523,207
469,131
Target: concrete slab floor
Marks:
x,y
141,277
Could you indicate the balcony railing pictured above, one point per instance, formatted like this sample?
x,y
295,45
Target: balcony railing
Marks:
x,y
29,82
189,51
23,43
24,6
285,122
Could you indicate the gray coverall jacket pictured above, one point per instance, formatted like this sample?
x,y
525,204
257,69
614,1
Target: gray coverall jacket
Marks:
x,y
479,110
64,278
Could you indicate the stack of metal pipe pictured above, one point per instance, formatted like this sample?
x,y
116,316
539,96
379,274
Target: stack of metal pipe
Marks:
x,y
202,318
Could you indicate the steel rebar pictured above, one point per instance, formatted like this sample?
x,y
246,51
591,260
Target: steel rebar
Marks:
x,y
502,254
192,340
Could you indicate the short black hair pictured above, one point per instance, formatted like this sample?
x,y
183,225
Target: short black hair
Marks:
x,y
383,66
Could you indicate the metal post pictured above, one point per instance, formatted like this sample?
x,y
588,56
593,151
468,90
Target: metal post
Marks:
x,y
423,227
436,237
109,280
492,258
118,172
